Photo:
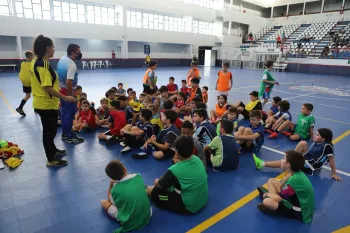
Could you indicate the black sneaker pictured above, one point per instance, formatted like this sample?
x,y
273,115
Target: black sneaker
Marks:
x,y
112,140
261,191
60,153
64,136
74,140
140,155
56,163
20,111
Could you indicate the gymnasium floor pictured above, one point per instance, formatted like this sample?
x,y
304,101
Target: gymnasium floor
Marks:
x,y
34,198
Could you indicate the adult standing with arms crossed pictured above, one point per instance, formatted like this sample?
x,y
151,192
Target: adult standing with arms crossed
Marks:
x,y
68,78
44,82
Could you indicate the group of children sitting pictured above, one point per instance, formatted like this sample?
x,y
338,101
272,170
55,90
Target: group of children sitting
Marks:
x,y
176,124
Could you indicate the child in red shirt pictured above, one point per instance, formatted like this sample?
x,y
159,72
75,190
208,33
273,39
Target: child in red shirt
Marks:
x,y
117,121
168,105
180,103
205,94
184,88
172,87
86,119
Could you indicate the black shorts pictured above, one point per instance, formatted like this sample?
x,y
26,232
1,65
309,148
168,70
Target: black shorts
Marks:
x,y
282,210
168,153
244,113
132,141
168,200
147,90
27,89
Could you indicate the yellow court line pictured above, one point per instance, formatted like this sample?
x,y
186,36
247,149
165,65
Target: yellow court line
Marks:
x,y
240,203
343,230
7,102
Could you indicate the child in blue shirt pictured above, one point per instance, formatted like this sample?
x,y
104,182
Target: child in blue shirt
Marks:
x,y
252,136
205,130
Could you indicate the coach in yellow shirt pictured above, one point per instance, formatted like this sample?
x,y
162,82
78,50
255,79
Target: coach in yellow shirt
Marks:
x,y
44,82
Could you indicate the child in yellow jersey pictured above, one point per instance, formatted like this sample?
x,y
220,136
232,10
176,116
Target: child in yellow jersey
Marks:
x,y
155,120
24,76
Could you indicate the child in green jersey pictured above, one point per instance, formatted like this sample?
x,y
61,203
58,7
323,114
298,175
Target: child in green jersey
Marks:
x,y
268,82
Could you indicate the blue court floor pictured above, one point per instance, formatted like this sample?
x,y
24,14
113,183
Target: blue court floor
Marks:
x,y
34,198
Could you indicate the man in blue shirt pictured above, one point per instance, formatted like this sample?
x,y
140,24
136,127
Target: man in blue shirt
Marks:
x,y
68,78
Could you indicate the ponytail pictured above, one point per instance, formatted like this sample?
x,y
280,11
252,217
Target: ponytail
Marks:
x,y
40,45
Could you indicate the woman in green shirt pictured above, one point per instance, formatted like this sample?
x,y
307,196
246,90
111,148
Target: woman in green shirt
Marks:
x,y
293,197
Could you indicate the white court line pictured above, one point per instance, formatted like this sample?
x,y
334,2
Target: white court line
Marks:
x,y
324,166
317,117
318,97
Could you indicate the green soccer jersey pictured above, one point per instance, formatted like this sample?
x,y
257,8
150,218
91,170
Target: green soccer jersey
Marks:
x,y
303,125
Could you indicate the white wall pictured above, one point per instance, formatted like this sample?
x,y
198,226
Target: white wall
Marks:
x,y
8,47
159,50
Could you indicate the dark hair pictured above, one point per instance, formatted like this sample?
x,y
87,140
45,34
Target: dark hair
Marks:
x,y
85,102
255,113
83,93
28,53
184,146
107,94
201,113
79,87
200,105
194,64
146,113
309,106
233,110
143,94
226,64
120,84
205,88
327,134
103,100
195,80
172,78
163,89
277,99
132,93
224,96
72,48
122,98
114,88
111,91
40,45
115,104
171,115
268,63
182,94
115,170
128,90
284,105
152,63
227,126
184,81
82,99
254,93
295,159
187,125
168,104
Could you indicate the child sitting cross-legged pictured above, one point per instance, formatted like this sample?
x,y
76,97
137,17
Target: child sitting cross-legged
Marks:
x,y
172,87
222,152
254,104
293,197
316,155
302,130
164,141
232,116
117,121
183,189
205,130
168,105
274,106
136,136
103,113
251,137
86,120
220,109
276,120
127,201
120,90
155,120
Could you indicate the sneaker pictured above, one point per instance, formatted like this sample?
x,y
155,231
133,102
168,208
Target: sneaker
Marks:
x,y
126,149
286,133
60,153
74,140
20,111
140,155
122,144
261,191
273,135
112,140
64,136
259,163
56,163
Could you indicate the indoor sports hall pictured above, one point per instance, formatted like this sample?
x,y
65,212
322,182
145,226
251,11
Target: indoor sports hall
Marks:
x,y
310,64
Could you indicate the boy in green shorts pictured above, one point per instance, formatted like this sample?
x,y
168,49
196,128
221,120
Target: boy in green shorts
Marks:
x,y
293,197
184,187
303,129
127,198
24,76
